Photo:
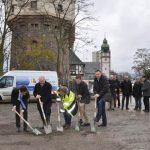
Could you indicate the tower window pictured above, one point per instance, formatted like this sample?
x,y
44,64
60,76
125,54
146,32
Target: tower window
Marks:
x,y
34,4
22,26
34,42
34,25
60,8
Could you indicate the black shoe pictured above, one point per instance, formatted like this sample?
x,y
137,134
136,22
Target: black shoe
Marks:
x,y
127,108
18,129
102,125
25,130
80,122
85,124
66,126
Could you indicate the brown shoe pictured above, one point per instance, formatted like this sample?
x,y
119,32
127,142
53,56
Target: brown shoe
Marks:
x,y
66,126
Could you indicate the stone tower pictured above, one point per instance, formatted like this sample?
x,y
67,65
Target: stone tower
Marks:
x,y
36,23
105,58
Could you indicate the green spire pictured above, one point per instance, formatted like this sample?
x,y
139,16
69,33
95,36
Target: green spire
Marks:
x,y
105,46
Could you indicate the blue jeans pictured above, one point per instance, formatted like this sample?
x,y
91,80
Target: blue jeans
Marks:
x,y
101,112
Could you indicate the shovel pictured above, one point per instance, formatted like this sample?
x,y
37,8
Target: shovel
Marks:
x,y
47,128
77,126
34,130
93,128
59,127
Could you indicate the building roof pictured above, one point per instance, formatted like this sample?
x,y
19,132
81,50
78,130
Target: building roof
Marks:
x,y
74,59
91,67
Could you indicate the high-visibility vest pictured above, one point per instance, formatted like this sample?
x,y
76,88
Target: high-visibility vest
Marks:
x,y
68,99
69,103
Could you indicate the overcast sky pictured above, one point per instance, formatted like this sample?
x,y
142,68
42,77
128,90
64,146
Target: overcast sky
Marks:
x,y
126,25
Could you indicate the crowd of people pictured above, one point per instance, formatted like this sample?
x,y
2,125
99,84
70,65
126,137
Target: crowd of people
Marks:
x,y
141,88
74,101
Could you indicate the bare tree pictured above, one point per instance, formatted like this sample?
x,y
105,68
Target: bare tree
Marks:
x,y
6,11
69,15
141,61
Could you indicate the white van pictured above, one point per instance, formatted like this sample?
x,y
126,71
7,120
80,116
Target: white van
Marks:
x,y
18,78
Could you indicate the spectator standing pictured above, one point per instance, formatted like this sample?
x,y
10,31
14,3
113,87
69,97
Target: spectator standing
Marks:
x,y
126,87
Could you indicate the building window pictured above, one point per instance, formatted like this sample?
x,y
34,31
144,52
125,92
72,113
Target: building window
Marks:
x,y
34,42
60,8
34,4
46,27
22,26
34,25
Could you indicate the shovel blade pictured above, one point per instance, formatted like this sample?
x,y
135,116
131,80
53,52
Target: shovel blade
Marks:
x,y
36,132
60,129
77,128
48,129
93,129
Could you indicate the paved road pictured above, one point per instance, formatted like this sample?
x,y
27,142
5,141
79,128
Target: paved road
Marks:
x,y
127,130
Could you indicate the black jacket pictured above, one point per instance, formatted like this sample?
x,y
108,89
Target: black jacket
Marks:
x,y
113,86
14,97
118,87
82,89
101,87
126,87
146,88
44,91
137,89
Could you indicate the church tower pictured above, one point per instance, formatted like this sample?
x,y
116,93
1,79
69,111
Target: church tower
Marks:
x,y
105,58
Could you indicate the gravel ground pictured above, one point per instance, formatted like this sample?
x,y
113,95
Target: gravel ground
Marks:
x,y
126,130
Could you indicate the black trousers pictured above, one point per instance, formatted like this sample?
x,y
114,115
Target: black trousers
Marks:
x,y
125,97
25,115
137,102
47,111
113,101
67,118
118,98
146,103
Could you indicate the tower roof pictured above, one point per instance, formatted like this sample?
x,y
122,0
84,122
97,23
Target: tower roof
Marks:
x,y
105,46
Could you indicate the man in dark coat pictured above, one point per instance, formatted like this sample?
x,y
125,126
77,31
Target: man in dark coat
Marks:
x,y
113,87
117,90
83,96
126,87
137,93
101,88
19,97
43,90
146,93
